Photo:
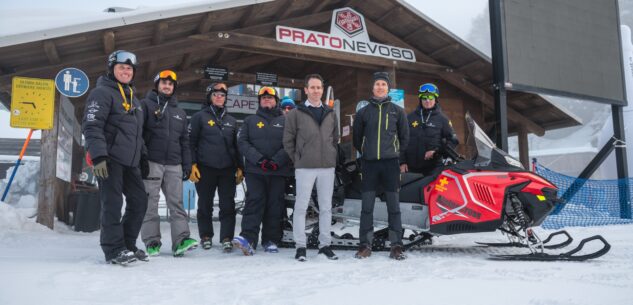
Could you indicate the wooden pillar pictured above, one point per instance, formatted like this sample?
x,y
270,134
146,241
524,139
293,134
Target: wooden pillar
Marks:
x,y
48,186
393,76
524,156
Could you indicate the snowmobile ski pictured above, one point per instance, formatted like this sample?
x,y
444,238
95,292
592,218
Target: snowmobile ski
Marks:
x,y
559,245
567,256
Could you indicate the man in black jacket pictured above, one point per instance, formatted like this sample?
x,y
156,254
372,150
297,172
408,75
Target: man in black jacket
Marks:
x,y
266,169
215,162
428,129
380,131
113,128
167,164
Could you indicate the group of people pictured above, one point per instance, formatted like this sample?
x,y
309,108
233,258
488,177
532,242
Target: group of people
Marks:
x,y
139,148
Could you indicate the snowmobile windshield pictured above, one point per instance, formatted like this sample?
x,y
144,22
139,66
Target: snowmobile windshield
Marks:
x,y
488,155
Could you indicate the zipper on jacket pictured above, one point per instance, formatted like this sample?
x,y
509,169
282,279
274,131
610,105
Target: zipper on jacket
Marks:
x,y
396,144
387,123
379,123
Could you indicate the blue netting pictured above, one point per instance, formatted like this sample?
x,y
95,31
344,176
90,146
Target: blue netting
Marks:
x,y
596,203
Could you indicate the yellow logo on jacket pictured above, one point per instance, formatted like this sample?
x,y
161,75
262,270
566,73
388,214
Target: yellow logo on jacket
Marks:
x,y
415,124
211,123
260,125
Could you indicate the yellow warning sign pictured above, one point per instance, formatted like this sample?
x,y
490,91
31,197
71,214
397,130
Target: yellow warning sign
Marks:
x,y
32,103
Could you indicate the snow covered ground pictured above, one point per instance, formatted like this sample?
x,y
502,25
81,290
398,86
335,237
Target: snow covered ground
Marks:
x,y
39,266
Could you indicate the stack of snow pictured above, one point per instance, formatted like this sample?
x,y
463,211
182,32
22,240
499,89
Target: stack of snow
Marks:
x,y
11,220
24,188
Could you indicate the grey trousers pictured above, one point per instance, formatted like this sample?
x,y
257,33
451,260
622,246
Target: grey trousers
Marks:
x,y
305,178
169,179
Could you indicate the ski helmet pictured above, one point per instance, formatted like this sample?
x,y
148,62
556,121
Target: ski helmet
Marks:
x,y
267,91
428,89
166,74
121,57
211,88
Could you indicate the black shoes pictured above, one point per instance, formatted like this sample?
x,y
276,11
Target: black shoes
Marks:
x,y
328,253
301,254
123,258
141,255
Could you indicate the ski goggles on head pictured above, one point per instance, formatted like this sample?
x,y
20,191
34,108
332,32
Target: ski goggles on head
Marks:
x,y
267,91
221,87
165,74
425,89
218,94
125,57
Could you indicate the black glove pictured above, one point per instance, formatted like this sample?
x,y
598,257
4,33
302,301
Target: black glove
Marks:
x,y
144,167
262,163
272,165
186,172
100,169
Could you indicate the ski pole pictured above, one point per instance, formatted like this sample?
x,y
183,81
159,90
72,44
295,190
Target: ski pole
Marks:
x,y
17,163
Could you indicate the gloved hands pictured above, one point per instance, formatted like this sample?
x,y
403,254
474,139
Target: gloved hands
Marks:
x,y
239,176
195,174
186,172
267,165
262,164
144,165
100,168
272,165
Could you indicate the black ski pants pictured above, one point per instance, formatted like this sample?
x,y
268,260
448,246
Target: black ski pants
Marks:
x,y
118,234
224,181
264,203
384,173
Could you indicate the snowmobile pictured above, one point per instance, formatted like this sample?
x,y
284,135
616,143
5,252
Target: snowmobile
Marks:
x,y
489,192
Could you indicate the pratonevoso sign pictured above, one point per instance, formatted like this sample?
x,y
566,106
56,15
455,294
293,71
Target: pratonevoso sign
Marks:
x,y
348,33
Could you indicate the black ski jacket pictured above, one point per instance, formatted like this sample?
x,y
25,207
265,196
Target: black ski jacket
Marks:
x,y
380,130
426,130
261,136
165,131
213,138
109,129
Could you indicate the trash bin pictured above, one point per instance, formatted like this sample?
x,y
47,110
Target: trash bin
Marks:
x,y
87,210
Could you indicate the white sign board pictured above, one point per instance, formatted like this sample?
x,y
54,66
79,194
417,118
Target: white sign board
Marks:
x,y
241,104
65,139
348,33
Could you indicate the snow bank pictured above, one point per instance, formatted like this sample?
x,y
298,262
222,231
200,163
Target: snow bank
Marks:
x,y
24,187
14,220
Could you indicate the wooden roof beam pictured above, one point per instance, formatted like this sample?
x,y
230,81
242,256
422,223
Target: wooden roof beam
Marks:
x,y
249,13
444,49
51,52
205,24
186,61
389,15
288,10
302,22
473,64
247,62
159,32
108,42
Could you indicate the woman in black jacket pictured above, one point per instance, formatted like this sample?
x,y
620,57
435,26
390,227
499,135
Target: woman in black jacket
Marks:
x,y
214,156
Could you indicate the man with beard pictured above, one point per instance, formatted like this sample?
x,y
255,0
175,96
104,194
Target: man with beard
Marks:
x,y
167,164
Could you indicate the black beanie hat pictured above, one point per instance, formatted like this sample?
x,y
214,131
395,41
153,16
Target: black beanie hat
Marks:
x,y
382,76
